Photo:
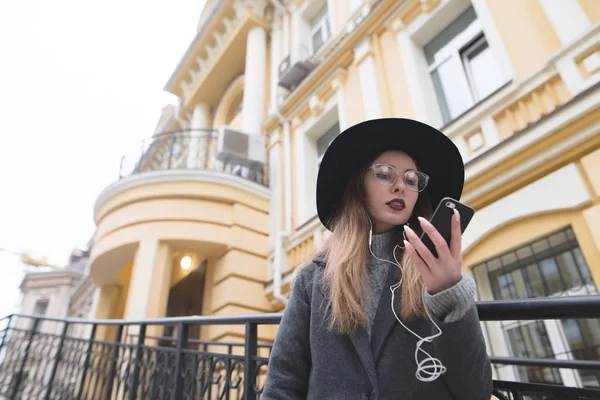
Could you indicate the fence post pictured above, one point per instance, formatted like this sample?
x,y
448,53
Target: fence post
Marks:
x,y
56,360
24,360
182,342
137,362
113,363
249,360
86,362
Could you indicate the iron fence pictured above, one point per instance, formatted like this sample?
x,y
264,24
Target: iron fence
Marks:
x,y
186,149
51,358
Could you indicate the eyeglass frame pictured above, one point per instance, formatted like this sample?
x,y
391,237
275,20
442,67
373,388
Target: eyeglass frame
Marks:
x,y
398,171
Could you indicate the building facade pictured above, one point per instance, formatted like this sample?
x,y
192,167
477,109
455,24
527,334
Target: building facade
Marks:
x,y
191,228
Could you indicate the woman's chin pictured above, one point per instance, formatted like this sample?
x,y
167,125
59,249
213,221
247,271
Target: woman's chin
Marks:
x,y
392,222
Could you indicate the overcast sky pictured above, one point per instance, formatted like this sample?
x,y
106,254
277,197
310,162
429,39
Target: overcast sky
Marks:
x,y
80,83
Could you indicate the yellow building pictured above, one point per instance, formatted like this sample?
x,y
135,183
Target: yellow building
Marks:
x,y
212,217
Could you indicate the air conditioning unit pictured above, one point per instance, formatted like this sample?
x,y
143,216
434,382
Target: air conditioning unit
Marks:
x,y
294,68
241,148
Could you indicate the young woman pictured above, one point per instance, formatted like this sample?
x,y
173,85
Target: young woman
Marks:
x,y
347,333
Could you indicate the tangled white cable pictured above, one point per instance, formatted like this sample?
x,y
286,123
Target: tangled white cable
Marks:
x,y
429,368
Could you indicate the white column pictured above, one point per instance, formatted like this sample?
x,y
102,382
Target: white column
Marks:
x,y
305,154
275,60
420,86
150,281
254,81
331,14
368,79
200,120
567,18
276,185
338,86
354,5
493,38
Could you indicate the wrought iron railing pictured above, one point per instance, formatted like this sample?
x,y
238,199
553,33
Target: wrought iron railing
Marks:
x,y
187,149
54,358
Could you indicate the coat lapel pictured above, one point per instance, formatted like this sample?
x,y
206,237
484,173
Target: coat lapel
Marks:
x,y
360,341
385,321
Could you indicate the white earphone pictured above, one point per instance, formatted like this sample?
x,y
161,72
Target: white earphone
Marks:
x,y
430,368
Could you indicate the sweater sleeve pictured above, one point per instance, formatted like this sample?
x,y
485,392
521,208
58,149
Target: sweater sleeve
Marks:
x,y
452,304
461,347
290,360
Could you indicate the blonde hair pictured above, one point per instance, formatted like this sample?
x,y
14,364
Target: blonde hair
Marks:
x,y
346,256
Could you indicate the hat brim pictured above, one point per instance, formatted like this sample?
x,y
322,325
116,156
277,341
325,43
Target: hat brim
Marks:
x,y
435,154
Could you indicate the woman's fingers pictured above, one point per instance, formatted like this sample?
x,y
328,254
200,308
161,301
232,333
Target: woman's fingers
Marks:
x,y
420,248
438,240
417,261
456,236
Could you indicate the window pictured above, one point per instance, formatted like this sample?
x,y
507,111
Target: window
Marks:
x,y
41,306
583,337
462,66
532,341
547,266
325,140
320,29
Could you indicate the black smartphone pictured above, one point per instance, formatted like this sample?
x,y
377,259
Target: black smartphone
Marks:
x,y
442,218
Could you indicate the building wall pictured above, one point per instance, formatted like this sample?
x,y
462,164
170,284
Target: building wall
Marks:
x,y
535,131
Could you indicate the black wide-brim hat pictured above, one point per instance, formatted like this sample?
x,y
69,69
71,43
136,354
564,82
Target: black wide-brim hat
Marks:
x,y
434,153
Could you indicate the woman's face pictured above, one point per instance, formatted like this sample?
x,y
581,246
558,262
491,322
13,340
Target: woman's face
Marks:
x,y
390,200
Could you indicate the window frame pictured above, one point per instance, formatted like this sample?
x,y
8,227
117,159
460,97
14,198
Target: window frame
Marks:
x,y
456,51
322,25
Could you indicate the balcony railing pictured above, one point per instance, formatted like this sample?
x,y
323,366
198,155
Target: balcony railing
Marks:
x,y
187,149
73,359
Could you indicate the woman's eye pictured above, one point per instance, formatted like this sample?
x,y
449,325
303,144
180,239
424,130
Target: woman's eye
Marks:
x,y
383,176
411,178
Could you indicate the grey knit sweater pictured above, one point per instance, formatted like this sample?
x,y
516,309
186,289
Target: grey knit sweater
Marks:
x,y
449,305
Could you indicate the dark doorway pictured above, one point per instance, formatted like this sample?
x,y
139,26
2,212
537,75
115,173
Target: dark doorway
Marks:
x,y
185,299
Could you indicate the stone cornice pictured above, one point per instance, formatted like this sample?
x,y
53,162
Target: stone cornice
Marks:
x,y
212,37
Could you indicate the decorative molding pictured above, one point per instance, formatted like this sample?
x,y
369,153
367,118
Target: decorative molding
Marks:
x,y
296,122
339,79
199,175
218,38
363,49
315,104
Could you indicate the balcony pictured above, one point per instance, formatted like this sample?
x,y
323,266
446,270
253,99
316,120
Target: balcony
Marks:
x,y
188,192
67,358
188,149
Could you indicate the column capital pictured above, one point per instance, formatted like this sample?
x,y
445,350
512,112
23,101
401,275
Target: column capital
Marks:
x,y
397,25
339,79
363,49
296,122
315,104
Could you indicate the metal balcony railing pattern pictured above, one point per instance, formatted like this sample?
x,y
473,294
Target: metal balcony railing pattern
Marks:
x,y
184,149
53,358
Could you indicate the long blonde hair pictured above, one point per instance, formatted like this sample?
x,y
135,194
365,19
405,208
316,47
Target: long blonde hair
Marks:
x,y
346,256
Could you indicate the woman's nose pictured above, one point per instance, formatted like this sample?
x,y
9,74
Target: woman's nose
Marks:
x,y
399,185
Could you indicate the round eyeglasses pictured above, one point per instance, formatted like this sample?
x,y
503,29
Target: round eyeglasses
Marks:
x,y
387,175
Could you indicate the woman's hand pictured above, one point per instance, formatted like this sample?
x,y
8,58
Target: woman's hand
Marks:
x,y
439,273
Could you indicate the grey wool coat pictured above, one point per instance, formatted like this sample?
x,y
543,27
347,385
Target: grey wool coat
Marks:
x,y
310,361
